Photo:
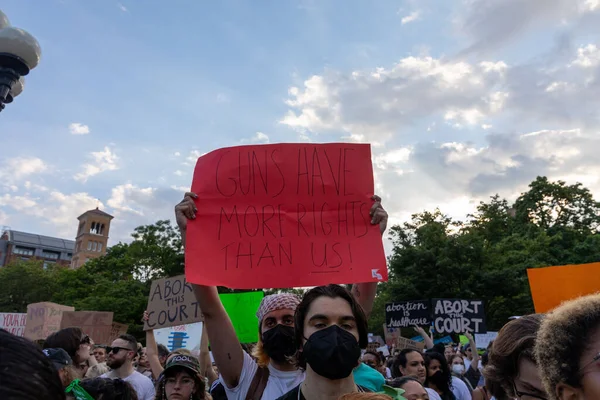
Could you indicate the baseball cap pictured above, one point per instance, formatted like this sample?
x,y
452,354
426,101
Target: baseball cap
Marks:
x,y
185,361
59,357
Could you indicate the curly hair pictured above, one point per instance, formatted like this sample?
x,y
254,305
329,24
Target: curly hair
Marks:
x,y
565,334
515,341
26,373
104,388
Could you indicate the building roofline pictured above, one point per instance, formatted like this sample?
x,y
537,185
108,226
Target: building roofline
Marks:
x,y
96,211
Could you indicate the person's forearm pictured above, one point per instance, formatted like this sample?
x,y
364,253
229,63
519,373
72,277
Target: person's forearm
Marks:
x,y
364,293
152,354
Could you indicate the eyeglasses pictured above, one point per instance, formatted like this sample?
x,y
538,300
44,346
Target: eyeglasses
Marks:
x,y
595,359
526,396
115,350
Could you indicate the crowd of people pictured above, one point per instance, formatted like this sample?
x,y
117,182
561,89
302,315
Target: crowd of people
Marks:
x,y
312,348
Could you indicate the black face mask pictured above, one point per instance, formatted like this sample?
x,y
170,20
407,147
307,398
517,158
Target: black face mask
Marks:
x,y
332,352
439,380
278,343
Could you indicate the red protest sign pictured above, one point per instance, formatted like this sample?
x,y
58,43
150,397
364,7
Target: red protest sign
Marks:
x,y
284,215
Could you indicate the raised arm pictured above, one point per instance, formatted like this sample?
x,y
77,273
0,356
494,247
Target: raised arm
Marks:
x,y
152,351
473,346
226,348
364,293
428,340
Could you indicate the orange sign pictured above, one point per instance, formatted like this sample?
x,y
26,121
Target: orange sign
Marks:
x,y
551,286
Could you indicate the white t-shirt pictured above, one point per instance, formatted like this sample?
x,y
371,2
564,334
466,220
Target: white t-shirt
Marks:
x,y
388,373
433,395
460,389
142,384
279,383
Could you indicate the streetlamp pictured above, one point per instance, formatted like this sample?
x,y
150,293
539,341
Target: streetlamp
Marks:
x,y
19,53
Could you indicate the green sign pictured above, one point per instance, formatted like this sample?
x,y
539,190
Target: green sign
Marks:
x,y
242,308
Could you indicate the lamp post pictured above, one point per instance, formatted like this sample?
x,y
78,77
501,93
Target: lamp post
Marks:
x,y
19,53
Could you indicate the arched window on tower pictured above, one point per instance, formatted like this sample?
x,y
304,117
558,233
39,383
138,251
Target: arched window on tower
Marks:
x,y
95,228
101,232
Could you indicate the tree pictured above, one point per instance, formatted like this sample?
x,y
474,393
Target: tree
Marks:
x,y
23,283
487,256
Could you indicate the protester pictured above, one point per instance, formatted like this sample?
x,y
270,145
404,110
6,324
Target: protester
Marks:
x,y
330,331
120,359
440,379
482,392
181,380
368,376
75,343
143,366
100,353
64,365
101,389
374,361
413,389
25,372
470,374
365,396
512,365
238,370
449,351
567,350
410,363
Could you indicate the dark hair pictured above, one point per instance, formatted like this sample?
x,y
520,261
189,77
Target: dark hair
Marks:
x,y
564,336
68,339
114,389
400,361
515,341
200,393
438,348
163,351
378,358
332,291
130,340
445,370
398,383
26,373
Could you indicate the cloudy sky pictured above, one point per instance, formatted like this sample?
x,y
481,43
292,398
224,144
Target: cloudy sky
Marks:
x,y
460,99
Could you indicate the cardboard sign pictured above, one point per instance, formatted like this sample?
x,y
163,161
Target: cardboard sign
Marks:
x,y
171,303
404,343
284,215
43,319
13,323
483,340
458,316
241,308
384,350
117,330
406,314
553,285
180,337
96,324
391,335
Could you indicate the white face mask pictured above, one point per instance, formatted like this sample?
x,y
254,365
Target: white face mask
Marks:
x,y
458,369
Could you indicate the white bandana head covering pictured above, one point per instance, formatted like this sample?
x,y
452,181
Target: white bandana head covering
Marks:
x,y
281,301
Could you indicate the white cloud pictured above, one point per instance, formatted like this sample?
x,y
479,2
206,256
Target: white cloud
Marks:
x,y
177,154
178,173
258,138
122,7
102,161
77,128
192,158
18,168
413,16
587,56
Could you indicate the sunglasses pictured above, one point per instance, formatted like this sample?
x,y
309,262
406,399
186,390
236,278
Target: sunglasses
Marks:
x,y
115,350
526,396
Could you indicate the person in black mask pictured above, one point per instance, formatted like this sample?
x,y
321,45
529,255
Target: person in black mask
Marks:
x,y
331,330
439,377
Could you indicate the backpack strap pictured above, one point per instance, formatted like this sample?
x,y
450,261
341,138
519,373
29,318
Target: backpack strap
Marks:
x,y
258,385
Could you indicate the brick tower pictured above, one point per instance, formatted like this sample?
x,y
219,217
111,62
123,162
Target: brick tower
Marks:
x,y
92,236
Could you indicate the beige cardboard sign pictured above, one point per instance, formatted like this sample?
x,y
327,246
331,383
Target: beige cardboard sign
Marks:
x,y
43,319
404,343
171,303
96,324
116,331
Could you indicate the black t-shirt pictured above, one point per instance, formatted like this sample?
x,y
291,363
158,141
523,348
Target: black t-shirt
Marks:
x,y
296,393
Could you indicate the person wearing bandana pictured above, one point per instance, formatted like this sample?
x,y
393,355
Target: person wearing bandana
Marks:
x,y
274,373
